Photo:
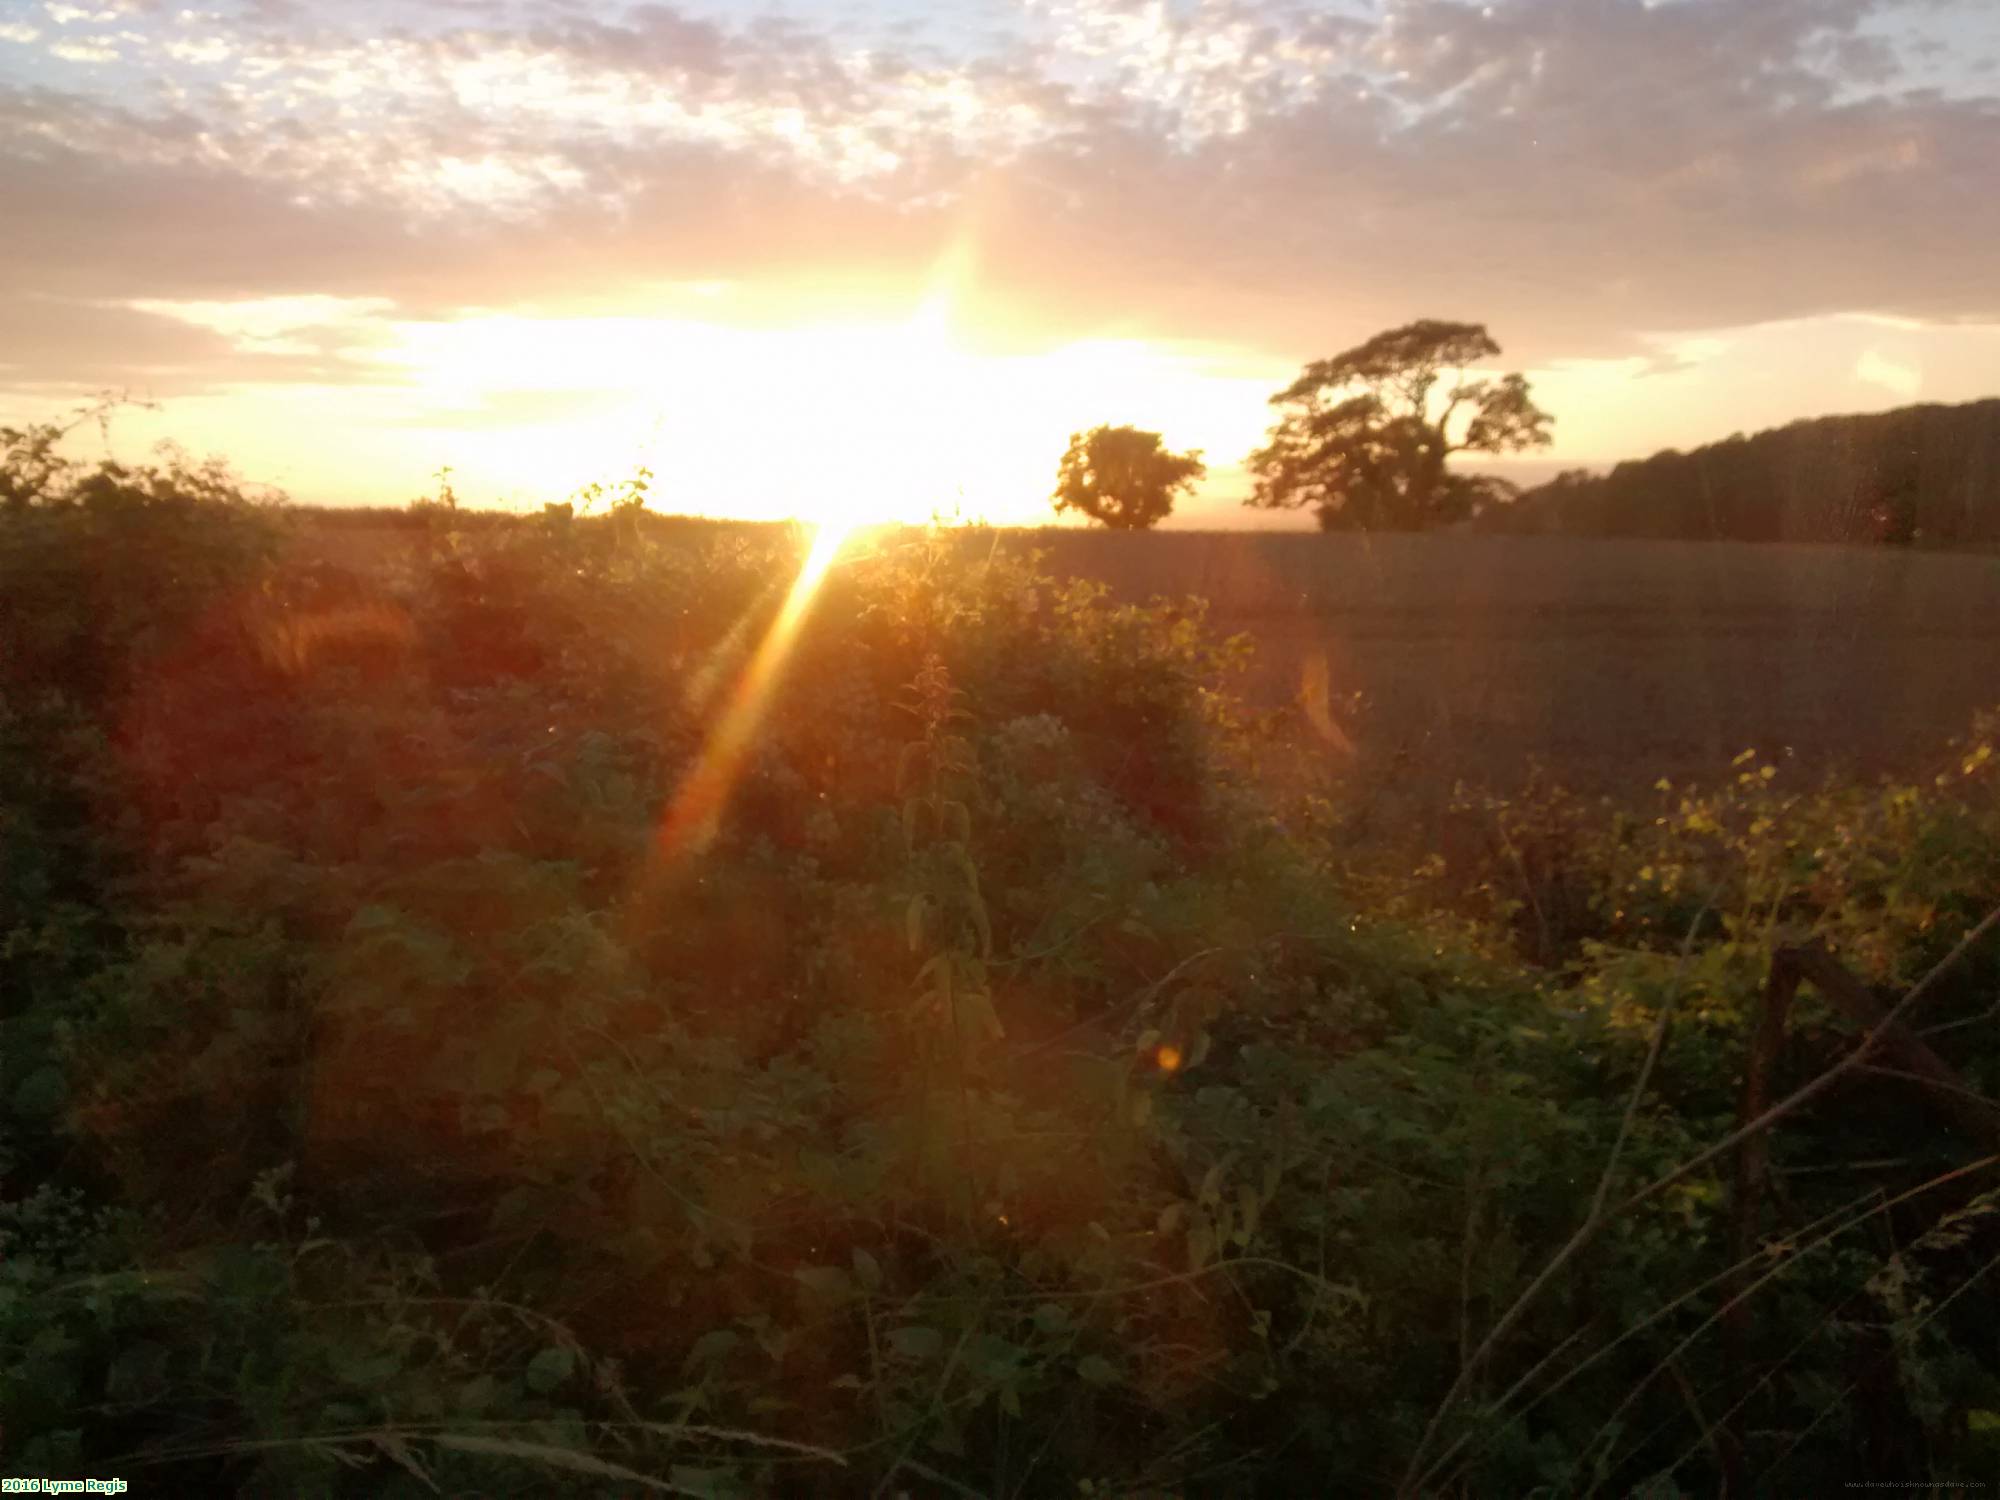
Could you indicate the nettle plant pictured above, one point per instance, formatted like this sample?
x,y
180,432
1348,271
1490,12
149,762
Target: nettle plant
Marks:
x,y
946,919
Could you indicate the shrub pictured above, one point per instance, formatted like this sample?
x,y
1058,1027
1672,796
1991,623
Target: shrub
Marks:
x,y
441,1072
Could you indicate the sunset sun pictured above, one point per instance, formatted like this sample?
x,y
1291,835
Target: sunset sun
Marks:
x,y
898,430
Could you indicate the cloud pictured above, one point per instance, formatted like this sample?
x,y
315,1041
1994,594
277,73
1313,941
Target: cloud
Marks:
x,y
1579,174
1875,368
84,52
54,342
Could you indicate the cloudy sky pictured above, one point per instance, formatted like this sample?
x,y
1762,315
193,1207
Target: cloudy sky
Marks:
x,y
888,253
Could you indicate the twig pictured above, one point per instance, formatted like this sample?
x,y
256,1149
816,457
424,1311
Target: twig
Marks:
x,y
1589,1229
1725,1458
1140,999
1783,1267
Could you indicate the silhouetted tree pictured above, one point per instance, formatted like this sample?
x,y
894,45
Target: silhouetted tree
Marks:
x,y
1123,477
1365,445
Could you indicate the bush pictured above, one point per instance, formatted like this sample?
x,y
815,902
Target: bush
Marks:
x,y
489,1022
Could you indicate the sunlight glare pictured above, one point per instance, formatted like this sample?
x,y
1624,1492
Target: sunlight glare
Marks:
x,y
844,422
695,814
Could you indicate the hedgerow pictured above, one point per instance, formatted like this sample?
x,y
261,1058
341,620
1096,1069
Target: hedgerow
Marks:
x,y
421,1074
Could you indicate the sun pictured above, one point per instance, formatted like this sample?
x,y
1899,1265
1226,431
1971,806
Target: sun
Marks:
x,y
894,378
894,430
944,406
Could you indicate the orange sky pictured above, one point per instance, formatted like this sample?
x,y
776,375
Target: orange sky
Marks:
x,y
880,260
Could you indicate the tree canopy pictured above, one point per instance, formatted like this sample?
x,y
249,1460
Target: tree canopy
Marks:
x,y
1124,477
1365,436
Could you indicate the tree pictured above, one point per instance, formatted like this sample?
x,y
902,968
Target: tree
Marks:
x,y
32,472
1361,444
1123,477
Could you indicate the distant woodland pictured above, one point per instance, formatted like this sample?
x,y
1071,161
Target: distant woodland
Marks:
x,y
1923,475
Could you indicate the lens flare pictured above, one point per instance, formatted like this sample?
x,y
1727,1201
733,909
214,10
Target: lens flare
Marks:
x,y
696,810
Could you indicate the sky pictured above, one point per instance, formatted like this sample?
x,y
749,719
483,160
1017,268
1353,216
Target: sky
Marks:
x,y
882,257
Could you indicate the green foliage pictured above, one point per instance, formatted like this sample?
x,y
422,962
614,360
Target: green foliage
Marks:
x,y
1004,1099
1123,477
1360,444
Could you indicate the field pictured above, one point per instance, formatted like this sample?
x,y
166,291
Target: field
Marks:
x,y
1609,662
1614,662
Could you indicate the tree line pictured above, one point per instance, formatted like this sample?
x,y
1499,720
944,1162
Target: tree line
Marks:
x,y
1922,475
1363,440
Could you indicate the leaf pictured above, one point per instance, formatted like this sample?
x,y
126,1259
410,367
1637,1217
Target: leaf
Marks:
x,y
397,1451
710,1347
913,923
1251,1210
867,1269
1211,1185
1200,1242
41,1094
1052,1318
340,1415
1170,1217
1097,1370
711,1484
906,761
917,1343
550,1368
829,1282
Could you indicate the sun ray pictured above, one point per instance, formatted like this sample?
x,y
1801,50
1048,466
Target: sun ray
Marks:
x,y
695,814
